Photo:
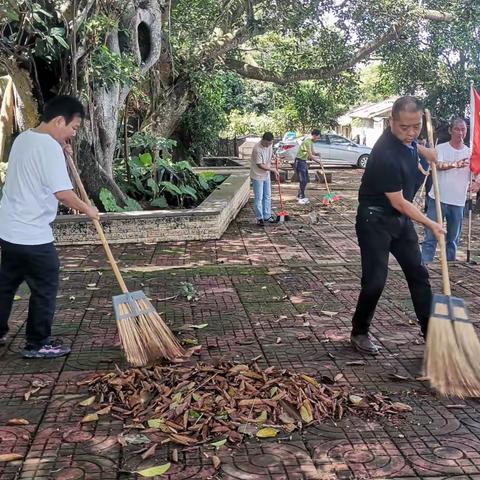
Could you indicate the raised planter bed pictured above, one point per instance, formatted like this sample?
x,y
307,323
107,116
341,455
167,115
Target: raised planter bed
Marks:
x,y
208,221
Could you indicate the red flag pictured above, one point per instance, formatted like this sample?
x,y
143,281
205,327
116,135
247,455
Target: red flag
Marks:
x,y
475,132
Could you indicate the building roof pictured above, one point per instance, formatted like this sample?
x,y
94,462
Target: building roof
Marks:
x,y
368,110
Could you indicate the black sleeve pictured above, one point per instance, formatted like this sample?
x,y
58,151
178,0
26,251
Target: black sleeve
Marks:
x,y
389,175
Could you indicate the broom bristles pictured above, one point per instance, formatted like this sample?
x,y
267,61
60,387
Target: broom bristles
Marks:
x,y
131,339
159,339
446,364
146,337
467,337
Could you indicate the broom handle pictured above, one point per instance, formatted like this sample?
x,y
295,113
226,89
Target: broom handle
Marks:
x,y
443,249
324,176
98,226
278,183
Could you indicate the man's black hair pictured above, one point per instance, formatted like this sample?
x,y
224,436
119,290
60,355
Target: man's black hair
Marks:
x,y
316,132
268,136
406,104
63,106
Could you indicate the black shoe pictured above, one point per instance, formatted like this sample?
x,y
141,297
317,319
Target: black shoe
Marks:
x,y
270,220
363,344
46,351
3,340
260,223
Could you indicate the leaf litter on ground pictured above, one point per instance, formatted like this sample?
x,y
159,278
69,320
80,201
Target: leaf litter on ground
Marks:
x,y
200,403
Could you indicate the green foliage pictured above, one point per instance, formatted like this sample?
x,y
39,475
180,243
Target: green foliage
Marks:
x,y
41,30
375,86
110,204
252,123
109,68
437,59
157,182
150,142
207,116
97,28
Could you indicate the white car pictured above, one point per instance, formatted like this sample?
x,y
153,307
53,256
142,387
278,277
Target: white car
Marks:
x,y
333,149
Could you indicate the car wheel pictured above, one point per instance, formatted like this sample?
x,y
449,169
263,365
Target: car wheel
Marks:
x,y
362,161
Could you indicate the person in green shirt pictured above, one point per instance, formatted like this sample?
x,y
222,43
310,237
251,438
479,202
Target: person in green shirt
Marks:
x,y
304,154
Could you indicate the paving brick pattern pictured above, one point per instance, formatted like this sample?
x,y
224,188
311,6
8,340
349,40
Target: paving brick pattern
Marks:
x,y
284,295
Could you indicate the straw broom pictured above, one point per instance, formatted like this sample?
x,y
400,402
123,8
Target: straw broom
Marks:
x,y
329,197
143,334
453,349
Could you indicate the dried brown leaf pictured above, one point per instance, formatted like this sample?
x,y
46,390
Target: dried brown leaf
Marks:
x,y
150,452
10,457
18,421
216,462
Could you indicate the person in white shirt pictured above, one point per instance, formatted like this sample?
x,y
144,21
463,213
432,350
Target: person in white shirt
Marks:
x,y
260,168
453,180
37,179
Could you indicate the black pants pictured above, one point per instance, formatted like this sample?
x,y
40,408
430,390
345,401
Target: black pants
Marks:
x,y
38,265
379,234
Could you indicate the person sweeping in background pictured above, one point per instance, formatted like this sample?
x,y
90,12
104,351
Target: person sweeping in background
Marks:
x,y
384,220
37,179
304,154
260,168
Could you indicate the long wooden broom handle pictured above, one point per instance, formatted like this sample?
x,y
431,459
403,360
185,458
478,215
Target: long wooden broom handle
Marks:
x,y
443,248
98,226
324,177
278,183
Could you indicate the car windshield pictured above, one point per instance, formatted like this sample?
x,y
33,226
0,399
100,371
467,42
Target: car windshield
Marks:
x,y
337,140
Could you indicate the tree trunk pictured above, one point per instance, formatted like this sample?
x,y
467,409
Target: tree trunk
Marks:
x,y
26,107
169,110
142,23
7,110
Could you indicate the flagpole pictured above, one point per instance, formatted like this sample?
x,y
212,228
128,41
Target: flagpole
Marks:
x,y
470,199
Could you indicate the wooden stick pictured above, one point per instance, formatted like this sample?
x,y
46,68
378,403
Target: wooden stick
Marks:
x,y
438,207
98,226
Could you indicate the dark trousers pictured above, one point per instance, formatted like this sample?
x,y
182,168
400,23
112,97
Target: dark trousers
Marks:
x,y
38,265
379,234
301,167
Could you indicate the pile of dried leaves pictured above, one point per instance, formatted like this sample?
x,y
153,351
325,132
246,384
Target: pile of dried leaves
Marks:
x,y
195,404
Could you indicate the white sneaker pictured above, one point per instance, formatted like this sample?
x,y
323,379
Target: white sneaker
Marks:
x,y
306,200
303,201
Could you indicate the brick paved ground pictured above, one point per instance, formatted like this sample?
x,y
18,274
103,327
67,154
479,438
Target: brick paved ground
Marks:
x,y
253,286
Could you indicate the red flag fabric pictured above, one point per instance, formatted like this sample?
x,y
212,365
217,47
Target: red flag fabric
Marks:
x,y
475,132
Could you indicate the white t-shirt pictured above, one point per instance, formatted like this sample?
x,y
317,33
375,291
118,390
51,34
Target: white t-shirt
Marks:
x,y
453,183
36,171
260,155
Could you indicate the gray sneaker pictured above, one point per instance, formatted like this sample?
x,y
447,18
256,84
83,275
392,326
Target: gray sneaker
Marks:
x,y
363,344
46,351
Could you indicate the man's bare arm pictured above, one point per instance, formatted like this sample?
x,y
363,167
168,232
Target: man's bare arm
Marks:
x,y
71,200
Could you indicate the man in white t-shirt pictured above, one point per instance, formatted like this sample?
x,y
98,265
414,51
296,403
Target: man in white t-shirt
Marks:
x,y
260,168
37,179
453,180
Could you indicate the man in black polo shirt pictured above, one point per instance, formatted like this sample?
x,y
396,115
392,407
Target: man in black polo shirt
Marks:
x,y
384,220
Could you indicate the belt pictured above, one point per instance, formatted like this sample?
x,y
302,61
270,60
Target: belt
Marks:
x,y
378,209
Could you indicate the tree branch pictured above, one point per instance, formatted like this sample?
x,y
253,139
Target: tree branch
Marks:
x,y
436,15
256,73
243,34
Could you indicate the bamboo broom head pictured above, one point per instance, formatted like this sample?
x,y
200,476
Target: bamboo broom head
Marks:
x,y
144,335
159,339
452,350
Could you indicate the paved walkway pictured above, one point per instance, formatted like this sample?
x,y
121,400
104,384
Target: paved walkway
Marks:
x,y
298,282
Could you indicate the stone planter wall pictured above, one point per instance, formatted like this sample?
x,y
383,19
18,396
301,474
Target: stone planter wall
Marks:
x,y
205,222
